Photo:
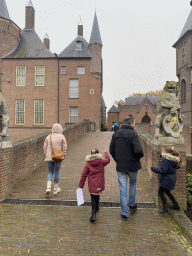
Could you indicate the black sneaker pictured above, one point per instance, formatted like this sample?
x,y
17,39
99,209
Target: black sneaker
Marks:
x,y
175,207
125,218
132,209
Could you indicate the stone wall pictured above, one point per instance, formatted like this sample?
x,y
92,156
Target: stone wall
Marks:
x,y
152,152
20,160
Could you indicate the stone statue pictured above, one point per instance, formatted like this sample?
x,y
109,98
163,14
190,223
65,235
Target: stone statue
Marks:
x,y
4,118
169,120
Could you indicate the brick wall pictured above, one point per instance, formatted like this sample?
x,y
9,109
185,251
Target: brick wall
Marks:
x,y
19,161
9,36
152,153
88,104
112,117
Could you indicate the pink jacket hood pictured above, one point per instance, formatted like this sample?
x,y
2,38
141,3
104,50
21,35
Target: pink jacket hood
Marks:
x,y
57,128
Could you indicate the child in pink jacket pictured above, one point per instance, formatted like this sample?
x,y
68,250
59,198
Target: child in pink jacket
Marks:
x,y
94,169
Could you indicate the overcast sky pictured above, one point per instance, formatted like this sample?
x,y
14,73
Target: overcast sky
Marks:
x,y
137,37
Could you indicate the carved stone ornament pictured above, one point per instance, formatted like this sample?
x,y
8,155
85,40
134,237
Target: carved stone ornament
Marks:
x,y
173,126
169,120
4,118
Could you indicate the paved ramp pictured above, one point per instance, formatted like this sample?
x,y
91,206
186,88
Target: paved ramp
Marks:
x,y
34,186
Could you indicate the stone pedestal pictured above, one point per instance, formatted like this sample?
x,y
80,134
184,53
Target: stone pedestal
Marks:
x,y
5,142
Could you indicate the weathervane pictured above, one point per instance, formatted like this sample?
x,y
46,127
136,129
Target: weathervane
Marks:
x,y
80,21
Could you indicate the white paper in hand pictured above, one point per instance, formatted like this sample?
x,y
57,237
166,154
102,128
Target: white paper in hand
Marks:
x,y
80,199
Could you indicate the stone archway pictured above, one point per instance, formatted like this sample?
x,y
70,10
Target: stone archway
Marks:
x,y
146,119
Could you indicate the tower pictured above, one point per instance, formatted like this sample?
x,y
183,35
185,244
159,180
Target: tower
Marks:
x,y
183,48
9,33
95,48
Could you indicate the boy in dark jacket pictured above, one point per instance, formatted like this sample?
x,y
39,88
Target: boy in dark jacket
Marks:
x,y
126,150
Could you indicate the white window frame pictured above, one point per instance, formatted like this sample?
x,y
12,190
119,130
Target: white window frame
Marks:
x,y
74,115
73,88
80,70
20,78
63,70
92,91
19,113
42,76
38,112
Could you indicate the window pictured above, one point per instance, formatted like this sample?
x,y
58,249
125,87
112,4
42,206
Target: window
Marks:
x,y
73,88
39,112
81,70
20,112
73,114
63,70
78,45
183,91
91,91
20,76
40,76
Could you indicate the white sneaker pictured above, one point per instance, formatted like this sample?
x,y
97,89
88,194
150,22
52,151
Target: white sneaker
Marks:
x,y
48,190
56,189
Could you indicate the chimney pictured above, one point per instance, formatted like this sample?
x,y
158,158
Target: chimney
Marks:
x,y
80,30
46,41
29,16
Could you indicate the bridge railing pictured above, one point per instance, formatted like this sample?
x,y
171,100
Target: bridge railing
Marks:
x,y
20,160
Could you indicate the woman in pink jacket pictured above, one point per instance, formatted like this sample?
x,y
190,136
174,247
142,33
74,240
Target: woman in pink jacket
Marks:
x,y
59,143
94,169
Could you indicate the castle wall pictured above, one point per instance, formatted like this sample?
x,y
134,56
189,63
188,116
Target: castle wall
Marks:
x,y
19,161
9,36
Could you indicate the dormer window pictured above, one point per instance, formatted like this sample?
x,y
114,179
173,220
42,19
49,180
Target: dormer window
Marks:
x,y
79,45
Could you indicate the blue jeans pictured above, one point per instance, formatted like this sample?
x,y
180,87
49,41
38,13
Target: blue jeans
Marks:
x,y
53,167
122,179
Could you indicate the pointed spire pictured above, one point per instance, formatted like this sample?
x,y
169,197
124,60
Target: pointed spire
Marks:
x,y
187,27
3,10
95,34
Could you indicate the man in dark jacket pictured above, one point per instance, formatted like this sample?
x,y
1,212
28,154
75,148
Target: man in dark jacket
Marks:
x,y
126,150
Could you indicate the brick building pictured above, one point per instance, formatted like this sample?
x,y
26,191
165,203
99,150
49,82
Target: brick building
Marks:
x,y
183,48
48,88
9,33
143,109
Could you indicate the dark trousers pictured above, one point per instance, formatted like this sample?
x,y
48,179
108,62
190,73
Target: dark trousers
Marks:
x,y
168,193
94,202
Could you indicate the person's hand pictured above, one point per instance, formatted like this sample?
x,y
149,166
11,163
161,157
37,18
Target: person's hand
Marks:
x,y
162,150
106,149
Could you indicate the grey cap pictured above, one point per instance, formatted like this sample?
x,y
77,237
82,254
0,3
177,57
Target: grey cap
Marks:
x,y
3,10
29,46
95,34
186,28
71,50
113,109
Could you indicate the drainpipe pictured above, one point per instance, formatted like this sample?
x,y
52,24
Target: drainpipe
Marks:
x,y
57,89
